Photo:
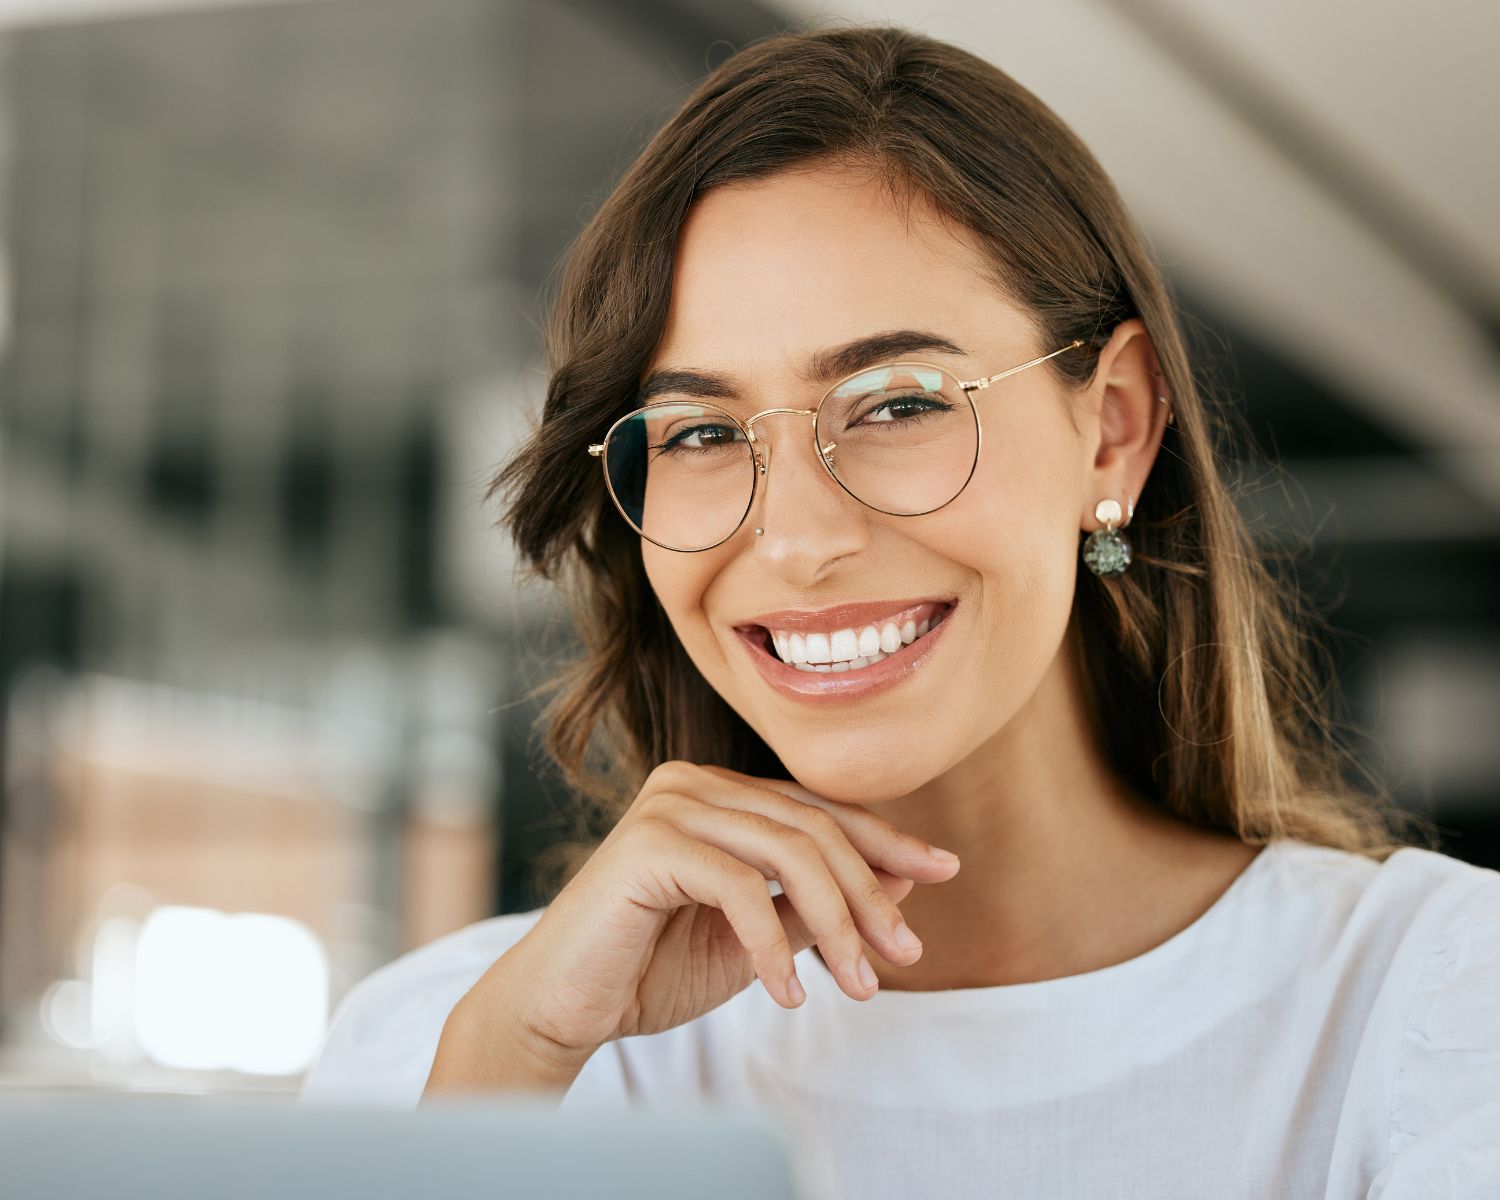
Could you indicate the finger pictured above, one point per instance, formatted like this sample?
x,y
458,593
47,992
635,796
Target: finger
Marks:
x,y
796,859
877,844
689,871
878,841
801,937
877,917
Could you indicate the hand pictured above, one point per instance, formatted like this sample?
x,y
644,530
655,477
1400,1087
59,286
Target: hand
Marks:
x,y
672,914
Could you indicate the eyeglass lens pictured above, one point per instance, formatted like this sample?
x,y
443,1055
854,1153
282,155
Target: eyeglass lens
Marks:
x,y
902,438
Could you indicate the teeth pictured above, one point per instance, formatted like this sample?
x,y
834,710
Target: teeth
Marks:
x,y
848,649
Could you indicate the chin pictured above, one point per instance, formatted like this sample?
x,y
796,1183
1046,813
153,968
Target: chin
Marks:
x,y
860,778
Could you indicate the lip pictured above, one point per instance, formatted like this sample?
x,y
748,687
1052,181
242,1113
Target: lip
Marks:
x,y
865,682
839,616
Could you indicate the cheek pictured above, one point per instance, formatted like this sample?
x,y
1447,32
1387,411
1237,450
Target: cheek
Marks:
x,y
1015,525
680,582
1014,534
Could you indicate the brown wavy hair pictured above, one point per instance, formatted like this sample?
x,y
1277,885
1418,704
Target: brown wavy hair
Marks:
x,y
1200,661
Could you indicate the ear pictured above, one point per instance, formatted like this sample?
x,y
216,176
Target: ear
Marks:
x,y
1126,420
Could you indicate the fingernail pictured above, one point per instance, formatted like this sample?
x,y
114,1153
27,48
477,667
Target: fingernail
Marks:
x,y
867,973
794,990
905,938
942,855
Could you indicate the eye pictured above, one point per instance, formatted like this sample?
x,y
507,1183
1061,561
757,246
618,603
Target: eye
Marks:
x,y
897,409
704,437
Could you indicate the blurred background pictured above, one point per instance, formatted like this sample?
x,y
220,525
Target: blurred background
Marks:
x,y
269,296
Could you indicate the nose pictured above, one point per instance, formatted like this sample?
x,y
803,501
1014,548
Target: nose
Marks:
x,y
809,521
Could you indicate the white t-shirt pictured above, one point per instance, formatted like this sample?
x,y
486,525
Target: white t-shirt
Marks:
x,y
1329,1028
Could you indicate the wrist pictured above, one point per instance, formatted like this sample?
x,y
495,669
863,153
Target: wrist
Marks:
x,y
487,1045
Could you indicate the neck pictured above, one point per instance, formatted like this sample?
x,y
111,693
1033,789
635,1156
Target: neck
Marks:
x,y
1065,869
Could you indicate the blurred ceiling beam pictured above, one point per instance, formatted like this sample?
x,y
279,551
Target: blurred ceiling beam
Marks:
x,y
1235,214
24,13
1382,499
1377,193
701,33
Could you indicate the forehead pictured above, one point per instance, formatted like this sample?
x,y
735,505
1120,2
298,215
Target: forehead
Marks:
x,y
770,271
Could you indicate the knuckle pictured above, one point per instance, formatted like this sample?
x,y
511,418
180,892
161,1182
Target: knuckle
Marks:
x,y
644,804
820,823
801,843
664,805
704,855
746,881
874,896
670,773
758,822
652,832
683,769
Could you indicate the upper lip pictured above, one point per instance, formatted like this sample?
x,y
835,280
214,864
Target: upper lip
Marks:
x,y
838,616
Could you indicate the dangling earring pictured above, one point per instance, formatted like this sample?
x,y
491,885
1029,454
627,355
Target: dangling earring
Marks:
x,y
1106,552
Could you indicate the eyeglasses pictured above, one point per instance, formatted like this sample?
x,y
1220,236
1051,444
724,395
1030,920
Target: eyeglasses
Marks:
x,y
902,438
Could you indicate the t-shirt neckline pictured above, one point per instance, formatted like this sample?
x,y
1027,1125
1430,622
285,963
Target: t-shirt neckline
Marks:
x,y
1065,986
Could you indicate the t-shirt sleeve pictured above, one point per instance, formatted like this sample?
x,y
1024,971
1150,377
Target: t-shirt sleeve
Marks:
x,y
384,1034
1445,1096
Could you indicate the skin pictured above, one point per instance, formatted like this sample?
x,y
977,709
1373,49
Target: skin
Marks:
x,y
987,752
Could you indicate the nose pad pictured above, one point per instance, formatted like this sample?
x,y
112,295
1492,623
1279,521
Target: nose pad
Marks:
x,y
822,457
825,456
762,454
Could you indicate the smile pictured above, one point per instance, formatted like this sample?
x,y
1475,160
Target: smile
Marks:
x,y
825,657
854,649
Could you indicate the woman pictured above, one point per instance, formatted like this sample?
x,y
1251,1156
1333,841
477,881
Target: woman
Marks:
x,y
842,370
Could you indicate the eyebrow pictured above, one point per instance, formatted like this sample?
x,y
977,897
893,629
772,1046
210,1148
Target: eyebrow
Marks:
x,y
825,366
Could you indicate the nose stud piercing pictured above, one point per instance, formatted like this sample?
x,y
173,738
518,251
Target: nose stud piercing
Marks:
x,y
1106,552
759,531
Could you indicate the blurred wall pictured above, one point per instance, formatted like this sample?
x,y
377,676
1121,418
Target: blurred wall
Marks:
x,y
273,281
274,276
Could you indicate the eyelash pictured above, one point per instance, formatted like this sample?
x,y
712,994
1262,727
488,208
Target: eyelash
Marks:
x,y
675,445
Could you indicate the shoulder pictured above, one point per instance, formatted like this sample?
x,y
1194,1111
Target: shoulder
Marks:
x,y
1434,920
1458,987
1390,976
1449,1055
384,1033
1410,898
1457,892
1401,924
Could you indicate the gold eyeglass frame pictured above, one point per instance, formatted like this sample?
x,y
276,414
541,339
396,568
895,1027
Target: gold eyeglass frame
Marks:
x,y
597,449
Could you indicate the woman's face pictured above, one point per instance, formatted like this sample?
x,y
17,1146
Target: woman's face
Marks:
x,y
769,275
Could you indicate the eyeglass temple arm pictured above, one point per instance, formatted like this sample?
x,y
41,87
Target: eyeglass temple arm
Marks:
x,y
978,385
